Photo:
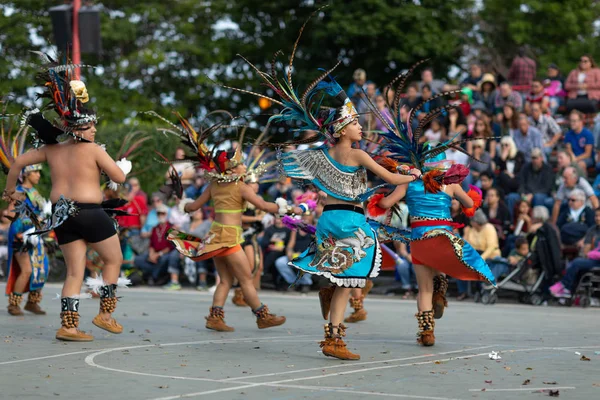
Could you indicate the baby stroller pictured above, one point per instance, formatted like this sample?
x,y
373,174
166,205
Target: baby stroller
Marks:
x,y
544,258
587,289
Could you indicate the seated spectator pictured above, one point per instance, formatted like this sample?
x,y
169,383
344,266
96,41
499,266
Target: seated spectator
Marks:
x,y
199,227
554,84
356,88
508,165
131,224
537,95
436,85
564,160
483,130
152,217
412,98
479,153
482,236
426,94
518,255
458,217
466,100
487,94
161,255
522,218
522,70
583,86
580,141
475,76
283,188
435,134
497,213
572,181
404,269
486,182
196,188
590,259
385,112
457,156
177,218
504,95
551,132
274,241
536,181
508,119
297,243
456,123
526,137
575,218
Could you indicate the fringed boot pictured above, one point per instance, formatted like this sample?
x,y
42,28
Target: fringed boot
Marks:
x,y
367,288
440,286
325,296
14,304
334,346
359,314
216,320
264,319
426,323
33,303
238,298
108,305
70,320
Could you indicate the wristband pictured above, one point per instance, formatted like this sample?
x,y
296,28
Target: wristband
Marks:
x,y
304,207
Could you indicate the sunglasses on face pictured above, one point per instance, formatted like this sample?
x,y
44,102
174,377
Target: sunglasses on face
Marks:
x,y
584,60
572,200
504,145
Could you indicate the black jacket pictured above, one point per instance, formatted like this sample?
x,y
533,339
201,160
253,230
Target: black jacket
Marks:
x,y
531,181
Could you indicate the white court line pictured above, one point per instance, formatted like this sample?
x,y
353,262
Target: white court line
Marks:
x,y
352,364
346,390
524,389
46,357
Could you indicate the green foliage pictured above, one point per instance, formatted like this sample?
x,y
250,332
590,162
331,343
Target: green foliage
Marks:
x,y
558,31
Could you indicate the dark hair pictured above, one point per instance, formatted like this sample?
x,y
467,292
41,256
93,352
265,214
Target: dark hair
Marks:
x,y
426,85
487,174
592,62
413,86
520,241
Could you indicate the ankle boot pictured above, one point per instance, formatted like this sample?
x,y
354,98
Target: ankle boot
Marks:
x,y
359,313
367,288
440,286
108,304
426,323
216,320
70,320
238,298
14,303
33,303
325,296
334,346
264,319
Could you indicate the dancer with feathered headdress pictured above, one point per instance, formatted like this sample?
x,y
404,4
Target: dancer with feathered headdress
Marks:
x,y
27,257
346,249
429,203
78,216
226,172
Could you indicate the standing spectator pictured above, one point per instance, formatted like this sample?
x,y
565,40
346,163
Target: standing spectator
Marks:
x,y
580,141
297,243
583,86
508,164
537,95
554,84
590,259
504,95
436,85
536,181
522,70
548,127
162,254
572,181
574,218
527,137
487,87
356,88
185,169
475,75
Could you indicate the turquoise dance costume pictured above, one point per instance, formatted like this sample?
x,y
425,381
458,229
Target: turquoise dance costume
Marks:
x,y
345,248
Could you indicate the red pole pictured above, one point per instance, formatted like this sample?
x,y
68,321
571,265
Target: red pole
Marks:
x,y
76,50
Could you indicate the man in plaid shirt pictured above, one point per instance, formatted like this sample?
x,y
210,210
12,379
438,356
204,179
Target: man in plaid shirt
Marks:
x,y
551,132
522,71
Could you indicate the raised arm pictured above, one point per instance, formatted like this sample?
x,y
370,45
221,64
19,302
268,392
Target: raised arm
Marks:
x,y
393,198
260,203
108,165
395,179
199,202
30,158
459,194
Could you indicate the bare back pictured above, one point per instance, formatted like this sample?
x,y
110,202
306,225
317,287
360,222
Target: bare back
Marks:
x,y
74,171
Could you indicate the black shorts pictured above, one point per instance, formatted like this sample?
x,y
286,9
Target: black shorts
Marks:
x,y
91,224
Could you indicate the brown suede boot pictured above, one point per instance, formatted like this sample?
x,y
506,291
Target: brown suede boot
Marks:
x,y
325,296
70,320
334,346
238,298
359,313
440,286
367,288
108,304
14,303
264,319
216,320
33,303
426,322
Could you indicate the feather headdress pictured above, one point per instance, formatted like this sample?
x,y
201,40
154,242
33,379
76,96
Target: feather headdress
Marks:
x,y
12,147
305,109
261,163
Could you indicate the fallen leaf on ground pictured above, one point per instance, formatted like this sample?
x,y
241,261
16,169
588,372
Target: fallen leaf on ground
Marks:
x,y
549,383
132,331
527,382
488,382
529,369
596,384
507,368
146,340
584,358
163,386
145,314
554,393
